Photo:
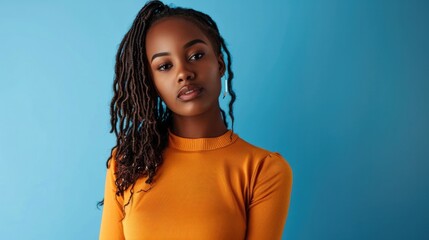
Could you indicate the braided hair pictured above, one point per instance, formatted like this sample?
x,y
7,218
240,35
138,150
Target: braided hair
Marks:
x,y
136,104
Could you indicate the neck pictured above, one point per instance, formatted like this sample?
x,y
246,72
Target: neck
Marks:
x,y
209,124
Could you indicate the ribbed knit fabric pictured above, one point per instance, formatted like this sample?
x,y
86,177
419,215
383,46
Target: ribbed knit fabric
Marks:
x,y
201,144
206,188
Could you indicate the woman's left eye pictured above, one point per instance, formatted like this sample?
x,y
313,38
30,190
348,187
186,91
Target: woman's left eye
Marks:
x,y
196,56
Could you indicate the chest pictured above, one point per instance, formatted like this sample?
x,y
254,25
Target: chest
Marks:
x,y
190,199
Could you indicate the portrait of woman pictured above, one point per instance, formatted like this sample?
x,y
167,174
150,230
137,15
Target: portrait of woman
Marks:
x,y
214,120
178,169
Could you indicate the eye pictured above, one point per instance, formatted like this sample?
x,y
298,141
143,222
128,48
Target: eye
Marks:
x,y
164,67
196,56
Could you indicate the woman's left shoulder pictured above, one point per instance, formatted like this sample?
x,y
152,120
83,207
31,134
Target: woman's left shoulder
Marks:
x,y
265,158
278,161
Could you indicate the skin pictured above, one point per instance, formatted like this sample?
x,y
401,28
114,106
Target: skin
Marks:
x,y
197,64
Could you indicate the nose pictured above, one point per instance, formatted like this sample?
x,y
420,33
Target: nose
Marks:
x,y
185,73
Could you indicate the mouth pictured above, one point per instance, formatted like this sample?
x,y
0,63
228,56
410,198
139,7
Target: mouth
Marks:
x,y
189,92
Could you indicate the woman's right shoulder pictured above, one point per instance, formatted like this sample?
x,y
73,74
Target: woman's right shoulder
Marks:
x,y
111,162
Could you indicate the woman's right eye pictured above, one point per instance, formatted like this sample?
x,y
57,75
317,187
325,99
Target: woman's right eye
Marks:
x,y
164,67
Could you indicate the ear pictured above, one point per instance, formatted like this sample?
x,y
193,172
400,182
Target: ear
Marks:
x,y
221,65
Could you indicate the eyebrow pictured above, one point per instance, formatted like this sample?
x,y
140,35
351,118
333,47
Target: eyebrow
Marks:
x,y
187,45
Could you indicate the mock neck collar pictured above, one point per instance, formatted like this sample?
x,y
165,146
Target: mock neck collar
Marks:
x,y
201,144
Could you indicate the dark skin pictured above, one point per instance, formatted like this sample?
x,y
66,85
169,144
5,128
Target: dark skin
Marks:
x,y
175,60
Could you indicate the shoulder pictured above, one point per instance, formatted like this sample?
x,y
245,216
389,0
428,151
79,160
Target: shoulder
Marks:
x,y
112,160
272,175
260,152
264,160
250,148
275,163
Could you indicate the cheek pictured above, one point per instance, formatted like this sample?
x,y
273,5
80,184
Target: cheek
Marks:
x,y
159,88
216,78
165,91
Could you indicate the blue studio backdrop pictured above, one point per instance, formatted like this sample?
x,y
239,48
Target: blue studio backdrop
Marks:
x,y
339,88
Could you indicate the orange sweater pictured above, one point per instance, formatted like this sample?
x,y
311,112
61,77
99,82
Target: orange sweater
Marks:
x,y
206,188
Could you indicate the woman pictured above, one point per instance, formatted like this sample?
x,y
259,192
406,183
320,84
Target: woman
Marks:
x,y
177,171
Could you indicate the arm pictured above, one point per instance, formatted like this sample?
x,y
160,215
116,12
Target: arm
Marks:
x,y
111,225
270,198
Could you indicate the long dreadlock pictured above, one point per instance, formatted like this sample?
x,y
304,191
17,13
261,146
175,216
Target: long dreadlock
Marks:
x,y
136,104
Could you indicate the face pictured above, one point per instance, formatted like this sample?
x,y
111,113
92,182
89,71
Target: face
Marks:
x,y
179,55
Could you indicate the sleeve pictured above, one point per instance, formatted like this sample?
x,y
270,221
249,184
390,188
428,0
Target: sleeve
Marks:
x,y
270,198
111,220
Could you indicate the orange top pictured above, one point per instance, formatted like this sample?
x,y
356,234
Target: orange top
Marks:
x,y
206,188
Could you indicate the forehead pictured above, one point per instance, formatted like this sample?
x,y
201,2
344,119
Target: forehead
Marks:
x,y
172,32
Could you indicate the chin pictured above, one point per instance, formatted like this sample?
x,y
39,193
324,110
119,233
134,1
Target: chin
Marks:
x,y
190,112
191,109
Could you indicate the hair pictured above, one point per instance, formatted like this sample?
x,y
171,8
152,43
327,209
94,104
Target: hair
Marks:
x,y
136,104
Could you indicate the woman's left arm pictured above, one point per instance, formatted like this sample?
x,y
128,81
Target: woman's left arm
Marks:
x,y
270,198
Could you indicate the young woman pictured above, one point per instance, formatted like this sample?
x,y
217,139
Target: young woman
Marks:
x,y
177,171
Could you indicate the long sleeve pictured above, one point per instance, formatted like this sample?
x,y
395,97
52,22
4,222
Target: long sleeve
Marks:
x,y
111,225
270,198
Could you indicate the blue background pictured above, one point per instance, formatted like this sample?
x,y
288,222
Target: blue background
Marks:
x,y
339,88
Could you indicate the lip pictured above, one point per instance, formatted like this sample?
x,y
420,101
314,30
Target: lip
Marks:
x,y
187,88
190,96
